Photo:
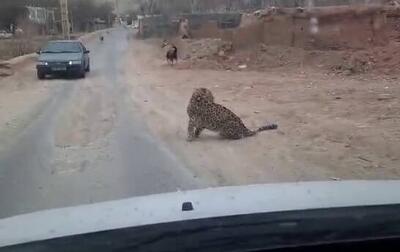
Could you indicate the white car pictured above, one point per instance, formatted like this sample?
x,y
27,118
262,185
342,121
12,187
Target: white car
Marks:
x,y
343,216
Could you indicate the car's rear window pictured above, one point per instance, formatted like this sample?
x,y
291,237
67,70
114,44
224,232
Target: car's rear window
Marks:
x,y
65,47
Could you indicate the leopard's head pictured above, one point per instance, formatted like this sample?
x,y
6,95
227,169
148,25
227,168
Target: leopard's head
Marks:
x,y
202,94
201,98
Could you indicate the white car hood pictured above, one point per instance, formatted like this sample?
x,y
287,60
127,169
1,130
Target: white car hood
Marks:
x,y
211,202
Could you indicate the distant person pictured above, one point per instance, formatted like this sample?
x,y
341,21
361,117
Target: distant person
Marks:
x,y
184,28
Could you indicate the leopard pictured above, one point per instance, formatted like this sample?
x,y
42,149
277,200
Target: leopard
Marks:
x,y
204,113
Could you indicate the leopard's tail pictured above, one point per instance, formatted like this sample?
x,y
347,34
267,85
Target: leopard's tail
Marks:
x,y
268,127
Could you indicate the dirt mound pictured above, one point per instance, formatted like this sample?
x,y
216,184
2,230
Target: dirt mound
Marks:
x,y
220,55
378,60
327,123
205,48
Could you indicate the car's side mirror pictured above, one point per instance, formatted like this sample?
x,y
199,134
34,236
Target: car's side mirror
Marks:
x,y
87,51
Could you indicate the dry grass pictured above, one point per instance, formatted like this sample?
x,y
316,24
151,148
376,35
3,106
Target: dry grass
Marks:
x,y
10,48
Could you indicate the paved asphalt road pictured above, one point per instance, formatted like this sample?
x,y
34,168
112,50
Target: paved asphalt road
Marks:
x,y
87,144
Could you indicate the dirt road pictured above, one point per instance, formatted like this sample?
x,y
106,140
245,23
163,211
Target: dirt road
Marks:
x,y
121,131
331,127
67,142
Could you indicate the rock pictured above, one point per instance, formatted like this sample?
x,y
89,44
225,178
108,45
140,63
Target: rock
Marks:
x,y
5,70
348,72
5,65
263,47
221,53
226,46
383,97
244,66
5,73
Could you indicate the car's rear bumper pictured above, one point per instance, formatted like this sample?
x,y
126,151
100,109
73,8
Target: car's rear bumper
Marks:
x,y
70,69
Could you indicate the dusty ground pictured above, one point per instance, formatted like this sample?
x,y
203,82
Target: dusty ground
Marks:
x,y
331,126
20,100
67,141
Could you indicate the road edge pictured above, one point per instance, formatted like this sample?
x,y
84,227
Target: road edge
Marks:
x,y
16,61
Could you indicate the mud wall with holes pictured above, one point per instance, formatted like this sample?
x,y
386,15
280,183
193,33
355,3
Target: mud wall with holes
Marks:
x,y
155,26
173,7
340,27
202,25
321,28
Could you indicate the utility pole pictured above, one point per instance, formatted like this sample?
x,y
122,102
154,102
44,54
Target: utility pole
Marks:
x,y
64,18
116,7
53,21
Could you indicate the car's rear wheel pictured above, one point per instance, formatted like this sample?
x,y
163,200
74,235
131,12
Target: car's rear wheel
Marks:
x,y
40,75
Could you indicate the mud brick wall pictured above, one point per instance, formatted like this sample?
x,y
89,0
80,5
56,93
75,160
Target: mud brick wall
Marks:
x,y
240,35
156,26
278,30
346,28
201,25
326,28
334,28
173,7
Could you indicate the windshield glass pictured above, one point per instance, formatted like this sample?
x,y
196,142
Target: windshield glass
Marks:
x,y
141,97
62,47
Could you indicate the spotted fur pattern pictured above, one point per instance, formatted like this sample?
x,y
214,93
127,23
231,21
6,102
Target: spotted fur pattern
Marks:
x,y
204,113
